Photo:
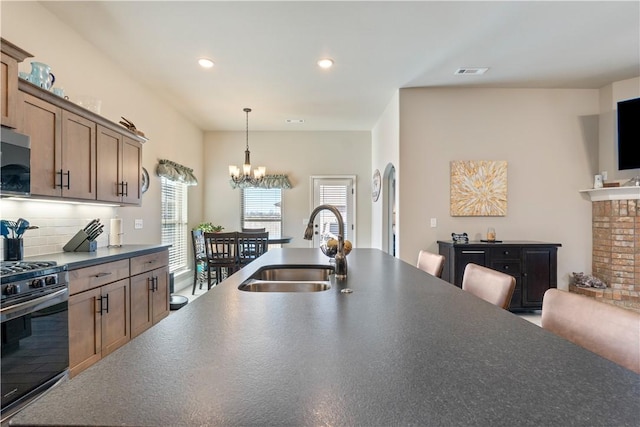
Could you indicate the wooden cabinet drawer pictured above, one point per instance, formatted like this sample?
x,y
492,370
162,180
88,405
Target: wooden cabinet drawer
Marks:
x,y
510,267
505,253
92,277
144,263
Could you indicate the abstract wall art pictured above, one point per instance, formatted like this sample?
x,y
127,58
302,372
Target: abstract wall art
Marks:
x,y
478,188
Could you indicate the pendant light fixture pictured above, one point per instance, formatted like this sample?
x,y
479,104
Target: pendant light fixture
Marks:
x,y
245,177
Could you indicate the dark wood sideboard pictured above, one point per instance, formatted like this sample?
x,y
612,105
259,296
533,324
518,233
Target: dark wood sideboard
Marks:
x,y
533,264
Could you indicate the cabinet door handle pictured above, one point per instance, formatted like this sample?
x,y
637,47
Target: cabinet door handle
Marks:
x,y
506,267
126,189
506,252
102,300
472,252
62,174
155,283
106,273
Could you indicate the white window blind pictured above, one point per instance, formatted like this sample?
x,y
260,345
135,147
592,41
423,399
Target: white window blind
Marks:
x,y
335,195
262,208
174,222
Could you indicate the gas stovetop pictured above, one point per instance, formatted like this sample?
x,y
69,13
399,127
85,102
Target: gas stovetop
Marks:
x,y
20,280
12,267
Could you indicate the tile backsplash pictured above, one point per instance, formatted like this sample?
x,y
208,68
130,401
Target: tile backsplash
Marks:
x,y
57,222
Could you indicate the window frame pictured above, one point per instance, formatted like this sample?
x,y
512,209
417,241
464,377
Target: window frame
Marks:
x,y
243,216
177,193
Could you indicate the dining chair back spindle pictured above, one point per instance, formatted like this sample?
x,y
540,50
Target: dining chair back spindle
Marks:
x,y
221,255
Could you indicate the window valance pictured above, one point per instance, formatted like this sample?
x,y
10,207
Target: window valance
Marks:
x,y
269,181
176,172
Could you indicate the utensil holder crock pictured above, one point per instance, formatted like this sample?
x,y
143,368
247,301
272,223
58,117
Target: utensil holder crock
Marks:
x,y
13,249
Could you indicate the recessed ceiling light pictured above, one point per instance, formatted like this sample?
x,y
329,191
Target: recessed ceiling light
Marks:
x,y
325,63
471,71
294,121
205,62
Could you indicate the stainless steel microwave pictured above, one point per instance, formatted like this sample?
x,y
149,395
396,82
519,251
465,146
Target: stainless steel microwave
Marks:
x,y
15,160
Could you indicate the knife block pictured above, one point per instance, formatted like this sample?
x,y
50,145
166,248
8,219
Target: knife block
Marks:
x,y
80,243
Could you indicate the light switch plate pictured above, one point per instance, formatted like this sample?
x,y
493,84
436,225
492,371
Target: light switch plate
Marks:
x,y
434,222
138,224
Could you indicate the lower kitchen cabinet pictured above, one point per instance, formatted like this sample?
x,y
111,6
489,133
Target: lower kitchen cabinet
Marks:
x,y
533,264
149,291
113,302
98,324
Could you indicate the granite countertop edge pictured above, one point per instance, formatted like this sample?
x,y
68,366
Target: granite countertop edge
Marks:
x,y
76,260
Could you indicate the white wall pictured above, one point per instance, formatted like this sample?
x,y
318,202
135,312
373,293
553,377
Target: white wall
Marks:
x,y
83,70
549,137
385,151
609,97
297,154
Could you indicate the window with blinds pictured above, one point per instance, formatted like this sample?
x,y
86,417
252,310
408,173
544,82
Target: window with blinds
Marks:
x,y
262,208
336,195
174,222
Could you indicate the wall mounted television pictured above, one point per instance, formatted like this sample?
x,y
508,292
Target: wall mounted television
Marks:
x,y
629,134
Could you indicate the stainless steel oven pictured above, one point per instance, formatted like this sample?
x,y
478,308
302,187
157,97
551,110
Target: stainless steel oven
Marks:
x,y
15,163
34,318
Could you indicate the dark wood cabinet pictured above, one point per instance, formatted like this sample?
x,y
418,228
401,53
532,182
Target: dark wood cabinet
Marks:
x,y
533,264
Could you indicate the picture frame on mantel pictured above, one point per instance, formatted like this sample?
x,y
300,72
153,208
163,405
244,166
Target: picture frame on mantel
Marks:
x,y
478,188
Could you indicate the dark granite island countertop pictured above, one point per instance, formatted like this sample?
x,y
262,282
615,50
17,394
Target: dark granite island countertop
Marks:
x,y
404,348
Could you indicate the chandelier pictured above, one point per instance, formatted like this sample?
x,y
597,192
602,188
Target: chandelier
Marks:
x,y
245,177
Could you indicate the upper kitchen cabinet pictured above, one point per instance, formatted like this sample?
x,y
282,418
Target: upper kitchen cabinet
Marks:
x,y
77,154
63,150
118,167
11,56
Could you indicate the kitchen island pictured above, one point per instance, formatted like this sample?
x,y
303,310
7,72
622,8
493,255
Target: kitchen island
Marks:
x,y
403,348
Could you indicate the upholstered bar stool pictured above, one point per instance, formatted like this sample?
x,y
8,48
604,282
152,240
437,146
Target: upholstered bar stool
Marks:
x,y
431,263
490,285
609,331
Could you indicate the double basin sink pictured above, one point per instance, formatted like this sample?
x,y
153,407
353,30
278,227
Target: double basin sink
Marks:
x,y
295,278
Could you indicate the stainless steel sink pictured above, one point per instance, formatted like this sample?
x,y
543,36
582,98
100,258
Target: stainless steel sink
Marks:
x,y
294,273
263,286
297,278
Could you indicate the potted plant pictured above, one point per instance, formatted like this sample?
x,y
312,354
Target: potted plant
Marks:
x,y
208,227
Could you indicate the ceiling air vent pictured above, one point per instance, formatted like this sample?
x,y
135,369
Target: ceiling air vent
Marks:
x,y
471,71
292,121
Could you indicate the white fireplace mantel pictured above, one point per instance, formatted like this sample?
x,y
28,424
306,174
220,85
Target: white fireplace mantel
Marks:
x,y
613,193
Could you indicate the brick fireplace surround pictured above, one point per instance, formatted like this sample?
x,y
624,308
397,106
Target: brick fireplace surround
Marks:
x,y
616,247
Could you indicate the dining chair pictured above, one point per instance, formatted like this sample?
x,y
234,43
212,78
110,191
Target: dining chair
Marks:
x,y
609,331
254,230
250,246
200,273
222,258
431,263
490,285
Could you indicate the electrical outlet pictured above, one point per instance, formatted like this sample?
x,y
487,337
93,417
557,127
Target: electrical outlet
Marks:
x,y
604,175
434,222
138,224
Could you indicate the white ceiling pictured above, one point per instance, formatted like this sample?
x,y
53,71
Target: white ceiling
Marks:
x,y
265,52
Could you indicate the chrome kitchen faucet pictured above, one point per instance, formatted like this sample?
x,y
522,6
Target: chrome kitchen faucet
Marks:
x,y
341,258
